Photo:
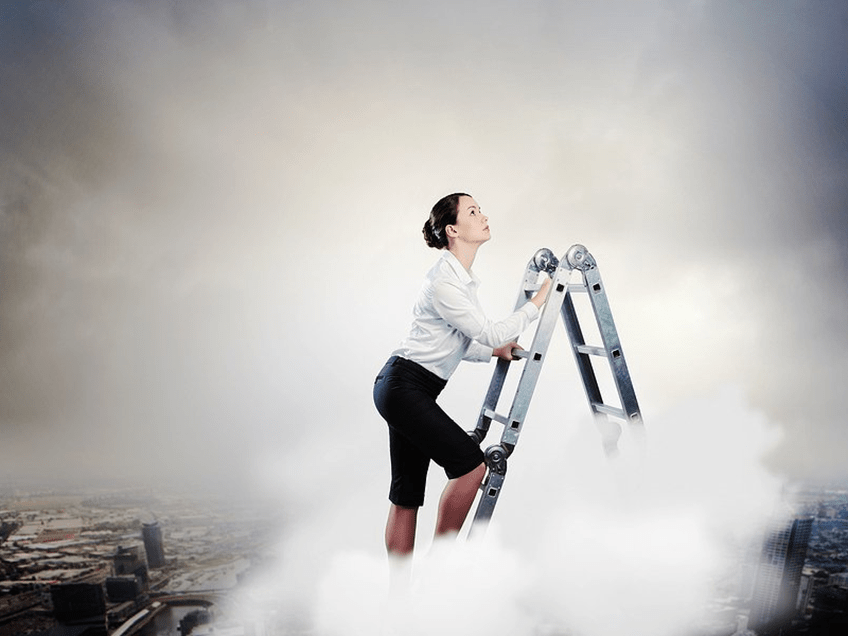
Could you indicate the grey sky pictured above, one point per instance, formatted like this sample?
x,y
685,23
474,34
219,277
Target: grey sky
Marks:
x,y
210,230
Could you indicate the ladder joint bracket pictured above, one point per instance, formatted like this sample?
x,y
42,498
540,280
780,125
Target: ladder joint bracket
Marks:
x,y
496,459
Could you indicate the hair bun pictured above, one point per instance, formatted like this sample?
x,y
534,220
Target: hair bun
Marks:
x,y
430,236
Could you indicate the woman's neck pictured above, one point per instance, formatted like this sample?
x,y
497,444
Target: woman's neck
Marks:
x,y
464,252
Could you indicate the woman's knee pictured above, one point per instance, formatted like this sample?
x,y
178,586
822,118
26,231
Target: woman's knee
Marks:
x,y
475,475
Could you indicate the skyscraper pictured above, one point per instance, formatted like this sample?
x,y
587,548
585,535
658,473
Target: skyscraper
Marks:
x,y
152,535
779,575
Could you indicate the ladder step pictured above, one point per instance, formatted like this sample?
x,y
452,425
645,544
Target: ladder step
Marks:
x,y
574,287
591,350
526,354
495,417
609,410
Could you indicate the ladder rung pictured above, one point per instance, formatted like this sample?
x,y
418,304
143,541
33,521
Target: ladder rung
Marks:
x,y
520,353
494,416
574,287
532,287
609,410
591,350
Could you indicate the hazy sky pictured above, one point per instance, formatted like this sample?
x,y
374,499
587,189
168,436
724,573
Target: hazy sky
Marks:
x,y
211,210
210,237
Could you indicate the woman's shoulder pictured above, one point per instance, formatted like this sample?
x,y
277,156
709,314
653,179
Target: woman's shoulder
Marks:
x,y
448,267
440,268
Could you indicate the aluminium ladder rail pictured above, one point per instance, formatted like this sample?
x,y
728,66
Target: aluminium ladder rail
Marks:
x,y
559,300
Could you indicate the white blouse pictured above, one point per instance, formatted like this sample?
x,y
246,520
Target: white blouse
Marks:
x,y
449,324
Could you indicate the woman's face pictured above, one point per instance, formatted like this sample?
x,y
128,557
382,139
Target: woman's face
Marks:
x,y
471,226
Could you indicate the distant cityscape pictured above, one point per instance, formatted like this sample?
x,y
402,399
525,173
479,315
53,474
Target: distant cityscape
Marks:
x,y
90,565
104,565
813,549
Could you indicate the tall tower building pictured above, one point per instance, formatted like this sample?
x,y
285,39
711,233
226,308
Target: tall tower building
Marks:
x,y
152,535
779,576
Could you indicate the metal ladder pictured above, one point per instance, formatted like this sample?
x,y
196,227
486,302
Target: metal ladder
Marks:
x,y
559,301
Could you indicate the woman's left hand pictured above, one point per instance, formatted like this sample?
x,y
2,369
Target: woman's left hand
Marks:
x,y
505,352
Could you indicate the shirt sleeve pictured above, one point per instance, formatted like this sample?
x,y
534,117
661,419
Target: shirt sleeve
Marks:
x,y
478,352
454,304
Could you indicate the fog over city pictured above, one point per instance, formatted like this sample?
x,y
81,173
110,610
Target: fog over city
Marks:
x,y
210,242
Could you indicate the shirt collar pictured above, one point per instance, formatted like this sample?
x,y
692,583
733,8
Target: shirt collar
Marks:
x,y
465,277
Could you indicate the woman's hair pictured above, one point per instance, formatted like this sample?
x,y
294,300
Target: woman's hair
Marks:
x,y
442,215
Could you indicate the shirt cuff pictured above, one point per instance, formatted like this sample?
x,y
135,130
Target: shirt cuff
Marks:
x,y
478,352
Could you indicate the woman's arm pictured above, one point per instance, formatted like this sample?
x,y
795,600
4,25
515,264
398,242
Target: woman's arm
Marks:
x,y
455,305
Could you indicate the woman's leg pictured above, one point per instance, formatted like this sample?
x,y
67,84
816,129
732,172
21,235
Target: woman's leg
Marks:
x,y
456,501
400,530
400,541
419,430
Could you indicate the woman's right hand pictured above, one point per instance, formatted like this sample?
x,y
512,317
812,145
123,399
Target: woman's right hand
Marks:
x,y
541,296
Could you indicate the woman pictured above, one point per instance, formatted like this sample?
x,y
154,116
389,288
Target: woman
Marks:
x,y
449,326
